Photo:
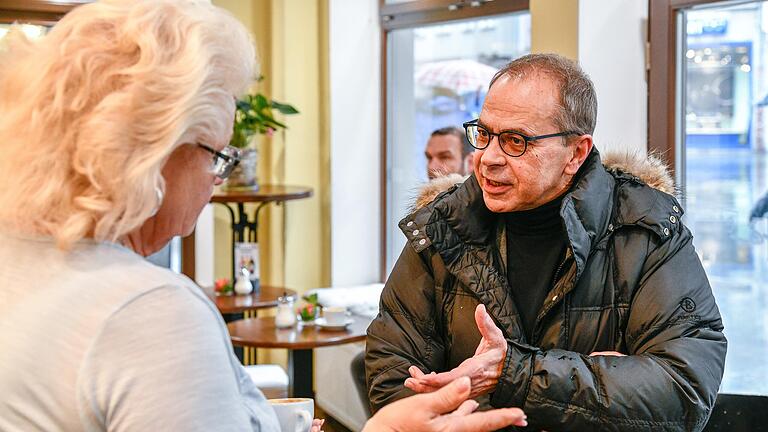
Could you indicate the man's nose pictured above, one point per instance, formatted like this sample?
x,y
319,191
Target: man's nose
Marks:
x,y
493,155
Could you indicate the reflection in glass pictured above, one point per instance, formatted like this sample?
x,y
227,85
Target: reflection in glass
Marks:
x,y
725,174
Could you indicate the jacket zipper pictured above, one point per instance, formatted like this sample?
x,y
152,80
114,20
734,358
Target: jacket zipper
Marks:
x,y
537,330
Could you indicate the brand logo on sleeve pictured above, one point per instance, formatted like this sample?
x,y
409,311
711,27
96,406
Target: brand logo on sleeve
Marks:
x,y
688,304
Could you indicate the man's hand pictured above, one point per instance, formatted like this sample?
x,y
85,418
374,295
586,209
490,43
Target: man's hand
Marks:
x,y
483,369
429,412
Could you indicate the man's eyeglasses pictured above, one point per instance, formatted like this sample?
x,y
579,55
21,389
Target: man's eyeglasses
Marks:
x,y
224,161
512,143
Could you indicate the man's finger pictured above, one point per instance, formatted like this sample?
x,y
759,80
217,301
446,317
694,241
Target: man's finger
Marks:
x,y
449,397
489,420
486,325
441,379
415,372
418,386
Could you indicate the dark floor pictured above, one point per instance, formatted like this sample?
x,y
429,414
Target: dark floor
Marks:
x,y
330,425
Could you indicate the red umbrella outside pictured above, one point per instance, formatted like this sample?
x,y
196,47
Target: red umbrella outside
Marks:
x,y
460,76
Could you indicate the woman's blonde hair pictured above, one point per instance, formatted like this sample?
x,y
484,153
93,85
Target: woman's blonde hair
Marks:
x,y
90,113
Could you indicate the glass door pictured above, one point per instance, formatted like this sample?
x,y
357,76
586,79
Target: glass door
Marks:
x,y
722,123
437,78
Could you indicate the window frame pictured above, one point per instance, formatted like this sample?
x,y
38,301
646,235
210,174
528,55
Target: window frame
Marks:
x,y
662,76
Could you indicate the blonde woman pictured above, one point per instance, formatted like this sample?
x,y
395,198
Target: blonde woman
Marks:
x,y
113,132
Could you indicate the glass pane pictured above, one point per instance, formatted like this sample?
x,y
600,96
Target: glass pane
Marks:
x,y
725,175
437,77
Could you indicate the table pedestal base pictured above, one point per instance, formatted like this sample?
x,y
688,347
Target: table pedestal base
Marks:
x,y
300,373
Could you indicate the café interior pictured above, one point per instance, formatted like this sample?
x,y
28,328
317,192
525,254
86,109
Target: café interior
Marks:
x,y
357,87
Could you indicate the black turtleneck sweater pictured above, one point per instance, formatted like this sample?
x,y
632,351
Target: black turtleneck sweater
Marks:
x,y
536,244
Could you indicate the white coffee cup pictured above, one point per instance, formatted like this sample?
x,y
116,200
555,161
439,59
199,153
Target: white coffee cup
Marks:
x,y
335,315
294,414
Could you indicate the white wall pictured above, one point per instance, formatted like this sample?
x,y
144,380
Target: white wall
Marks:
x,y
355,61
204,247
355,58
612,37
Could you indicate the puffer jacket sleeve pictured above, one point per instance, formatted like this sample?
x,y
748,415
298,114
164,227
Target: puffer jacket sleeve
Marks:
x,y
670,378
403,334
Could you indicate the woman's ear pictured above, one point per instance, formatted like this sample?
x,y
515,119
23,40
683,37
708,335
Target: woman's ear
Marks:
x,y
581,150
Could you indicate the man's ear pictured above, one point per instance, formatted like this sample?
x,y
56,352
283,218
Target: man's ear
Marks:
x,y
581,150
468,163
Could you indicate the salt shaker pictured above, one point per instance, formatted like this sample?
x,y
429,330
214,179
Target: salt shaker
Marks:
x,y
243,283
285,317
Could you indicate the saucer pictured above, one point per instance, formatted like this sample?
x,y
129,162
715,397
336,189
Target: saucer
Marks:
x,y
320,322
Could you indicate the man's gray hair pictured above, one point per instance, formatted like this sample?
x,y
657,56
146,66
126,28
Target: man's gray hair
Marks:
x,y
578,102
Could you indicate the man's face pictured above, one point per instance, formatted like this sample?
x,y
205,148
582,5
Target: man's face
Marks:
x,y
525,105
443,154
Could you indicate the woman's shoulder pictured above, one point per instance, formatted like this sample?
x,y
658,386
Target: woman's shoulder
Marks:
x,y
116,268
113,277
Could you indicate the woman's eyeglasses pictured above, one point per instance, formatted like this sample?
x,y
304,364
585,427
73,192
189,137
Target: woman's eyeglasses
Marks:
x,y
224,161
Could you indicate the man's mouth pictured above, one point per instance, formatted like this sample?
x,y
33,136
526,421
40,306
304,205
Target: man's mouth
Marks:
x,y
496,184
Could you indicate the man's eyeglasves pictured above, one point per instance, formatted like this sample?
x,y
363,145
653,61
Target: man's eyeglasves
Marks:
x,y
512,143
224,161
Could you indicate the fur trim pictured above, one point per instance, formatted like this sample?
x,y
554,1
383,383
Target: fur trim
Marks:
x,y
432,189
648,168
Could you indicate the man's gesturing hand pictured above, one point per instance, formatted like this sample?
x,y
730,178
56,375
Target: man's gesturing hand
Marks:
x,y
446,410
483,369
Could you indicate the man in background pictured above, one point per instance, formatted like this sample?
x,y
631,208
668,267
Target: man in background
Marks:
x,y
448,152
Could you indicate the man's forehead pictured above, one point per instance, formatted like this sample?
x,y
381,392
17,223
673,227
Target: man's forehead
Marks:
x,y
442,142
530,100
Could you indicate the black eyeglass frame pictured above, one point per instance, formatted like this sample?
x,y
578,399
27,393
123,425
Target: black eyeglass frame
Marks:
x,y
232,161
526,139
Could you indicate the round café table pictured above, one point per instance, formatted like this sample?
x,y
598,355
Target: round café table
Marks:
x,y
299,341
236,307
264,297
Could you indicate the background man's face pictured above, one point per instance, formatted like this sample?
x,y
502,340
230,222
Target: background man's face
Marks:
x,y
443,154
523,105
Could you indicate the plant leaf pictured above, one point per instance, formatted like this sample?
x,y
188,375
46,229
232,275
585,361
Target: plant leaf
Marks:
x,y
284,108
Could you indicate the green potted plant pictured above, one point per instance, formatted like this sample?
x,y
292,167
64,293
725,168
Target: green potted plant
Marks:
x,y
254,115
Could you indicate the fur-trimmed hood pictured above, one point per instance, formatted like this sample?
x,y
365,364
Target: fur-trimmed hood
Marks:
x,y
648,168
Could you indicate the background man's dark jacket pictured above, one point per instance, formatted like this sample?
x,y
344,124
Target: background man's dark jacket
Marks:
x,y
631,282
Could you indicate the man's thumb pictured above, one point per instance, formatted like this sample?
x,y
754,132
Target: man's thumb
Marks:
x,y
485,324
449,397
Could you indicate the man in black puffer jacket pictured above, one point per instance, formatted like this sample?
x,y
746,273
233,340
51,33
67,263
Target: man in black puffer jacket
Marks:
x,y
599,314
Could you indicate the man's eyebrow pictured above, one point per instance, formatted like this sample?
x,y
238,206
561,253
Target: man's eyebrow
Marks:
x,y
515,130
